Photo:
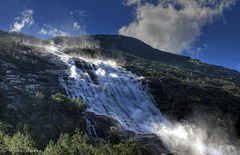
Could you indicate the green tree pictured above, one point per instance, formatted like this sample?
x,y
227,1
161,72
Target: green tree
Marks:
x,y
114,135
63,144
2,143
80,144
19,143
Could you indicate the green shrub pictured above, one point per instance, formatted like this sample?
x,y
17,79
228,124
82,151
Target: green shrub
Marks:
x,y
114,135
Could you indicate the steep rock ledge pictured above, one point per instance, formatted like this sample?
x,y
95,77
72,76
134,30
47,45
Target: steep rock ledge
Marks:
x,y
29,69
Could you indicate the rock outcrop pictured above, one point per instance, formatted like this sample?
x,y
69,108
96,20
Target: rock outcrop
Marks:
x,y
150,144
29,69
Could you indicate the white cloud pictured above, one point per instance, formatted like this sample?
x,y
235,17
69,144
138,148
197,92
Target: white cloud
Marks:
x,y
71,28
20,23
43,31
76,26
79,15
131,2
79,12
173,25
75,29
80,28
52,31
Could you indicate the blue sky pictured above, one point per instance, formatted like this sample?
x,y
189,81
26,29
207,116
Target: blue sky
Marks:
x,y
208,30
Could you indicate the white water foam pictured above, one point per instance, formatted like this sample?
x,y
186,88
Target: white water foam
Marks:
x,y
115,93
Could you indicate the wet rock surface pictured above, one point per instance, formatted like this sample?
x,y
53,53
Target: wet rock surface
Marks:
x,y
102,124
150,144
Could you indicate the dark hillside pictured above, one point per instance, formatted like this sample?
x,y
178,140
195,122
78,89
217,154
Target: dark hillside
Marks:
x,y
138,48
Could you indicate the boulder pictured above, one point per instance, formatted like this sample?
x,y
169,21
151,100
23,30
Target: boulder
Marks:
x,y
150,144
102,124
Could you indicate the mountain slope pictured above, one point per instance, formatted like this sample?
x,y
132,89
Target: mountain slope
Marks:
x,y
118,43
184,89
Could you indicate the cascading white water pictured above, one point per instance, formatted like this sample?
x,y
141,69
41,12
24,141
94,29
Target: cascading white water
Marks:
x,y
112,91
115,92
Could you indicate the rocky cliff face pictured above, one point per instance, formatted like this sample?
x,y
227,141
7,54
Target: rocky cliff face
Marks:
x,y
29,68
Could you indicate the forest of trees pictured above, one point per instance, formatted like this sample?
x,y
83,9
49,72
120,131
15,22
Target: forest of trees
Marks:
x,y
78,143
23,129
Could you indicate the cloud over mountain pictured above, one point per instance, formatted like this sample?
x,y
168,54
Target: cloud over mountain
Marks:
x,y
173,25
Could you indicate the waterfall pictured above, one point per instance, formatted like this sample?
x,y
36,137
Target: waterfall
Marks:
x,y
112,91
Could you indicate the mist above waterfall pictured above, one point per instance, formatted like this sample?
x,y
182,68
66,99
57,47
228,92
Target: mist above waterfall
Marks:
x,y
187,138
77,42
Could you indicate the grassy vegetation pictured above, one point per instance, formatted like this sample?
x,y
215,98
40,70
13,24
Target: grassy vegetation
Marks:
x,y
211,75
